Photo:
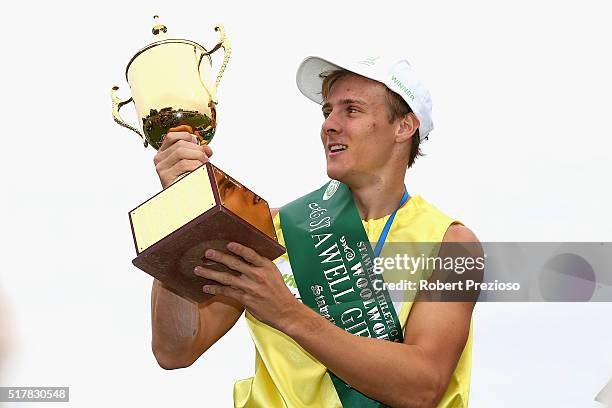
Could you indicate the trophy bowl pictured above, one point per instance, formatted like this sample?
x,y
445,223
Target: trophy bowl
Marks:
x,y
172,86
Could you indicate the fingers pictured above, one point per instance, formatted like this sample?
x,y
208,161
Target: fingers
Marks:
x,y
185,151
173,137
225,291
179,154
168,175
185,133
224,278
232,262
248,254
176,151
207,150
232,286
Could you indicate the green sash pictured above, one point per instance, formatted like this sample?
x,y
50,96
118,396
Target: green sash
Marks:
x,y
332,262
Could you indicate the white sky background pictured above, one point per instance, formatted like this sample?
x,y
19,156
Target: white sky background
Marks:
x,y
520,152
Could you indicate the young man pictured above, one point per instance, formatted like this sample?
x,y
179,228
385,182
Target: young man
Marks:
x,y
322,338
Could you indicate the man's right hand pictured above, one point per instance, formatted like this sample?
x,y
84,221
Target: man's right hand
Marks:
x,y
179,154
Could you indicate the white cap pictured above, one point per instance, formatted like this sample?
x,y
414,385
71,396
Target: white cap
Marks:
x,y
398,75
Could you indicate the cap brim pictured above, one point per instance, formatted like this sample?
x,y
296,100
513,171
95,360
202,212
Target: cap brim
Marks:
x,y
309,79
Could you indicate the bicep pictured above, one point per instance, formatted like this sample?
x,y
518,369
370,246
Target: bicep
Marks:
x,y
440,330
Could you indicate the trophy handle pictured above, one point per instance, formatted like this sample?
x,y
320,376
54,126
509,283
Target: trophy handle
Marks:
x,y
118,104
227,51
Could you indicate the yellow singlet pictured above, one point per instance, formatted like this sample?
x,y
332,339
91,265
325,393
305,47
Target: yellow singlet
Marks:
x,y
287,376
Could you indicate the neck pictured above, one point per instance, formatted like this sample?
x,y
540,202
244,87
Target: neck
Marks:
x,y
378,197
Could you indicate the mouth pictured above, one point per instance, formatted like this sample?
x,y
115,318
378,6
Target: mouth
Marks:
x,y
336,149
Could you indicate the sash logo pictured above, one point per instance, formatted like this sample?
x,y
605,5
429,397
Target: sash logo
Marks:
x,y
331,189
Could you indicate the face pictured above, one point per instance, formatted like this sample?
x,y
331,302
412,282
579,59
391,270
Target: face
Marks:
x,y
356,134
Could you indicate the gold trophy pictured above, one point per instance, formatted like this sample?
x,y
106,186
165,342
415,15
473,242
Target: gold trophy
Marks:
x,y
172,86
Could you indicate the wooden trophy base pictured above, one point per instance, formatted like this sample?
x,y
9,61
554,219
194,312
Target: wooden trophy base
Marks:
x,y
205,209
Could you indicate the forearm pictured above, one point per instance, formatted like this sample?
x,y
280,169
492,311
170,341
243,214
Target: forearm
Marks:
x,y
396,374
175,326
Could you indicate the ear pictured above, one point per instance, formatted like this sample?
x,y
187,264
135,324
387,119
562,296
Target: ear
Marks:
x,y
407,127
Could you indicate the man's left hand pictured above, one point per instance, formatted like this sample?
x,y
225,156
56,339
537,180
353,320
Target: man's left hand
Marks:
x,y
259,285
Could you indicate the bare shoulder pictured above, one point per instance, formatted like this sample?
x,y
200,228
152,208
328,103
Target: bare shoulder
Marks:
x,y
460,243
459,233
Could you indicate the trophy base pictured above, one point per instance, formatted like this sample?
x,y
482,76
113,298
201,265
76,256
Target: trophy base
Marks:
x,y
206,209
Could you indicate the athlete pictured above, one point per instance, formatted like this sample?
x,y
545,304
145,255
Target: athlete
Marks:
x,y
325,332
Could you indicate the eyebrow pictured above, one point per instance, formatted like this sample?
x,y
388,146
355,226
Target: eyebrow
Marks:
x,y
346,102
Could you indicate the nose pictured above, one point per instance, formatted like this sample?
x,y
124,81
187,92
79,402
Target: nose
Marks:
x,y
331,125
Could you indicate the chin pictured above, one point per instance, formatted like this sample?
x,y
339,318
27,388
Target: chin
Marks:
x,y
336,173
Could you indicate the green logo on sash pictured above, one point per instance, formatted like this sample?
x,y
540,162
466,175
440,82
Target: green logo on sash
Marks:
x,y
331,189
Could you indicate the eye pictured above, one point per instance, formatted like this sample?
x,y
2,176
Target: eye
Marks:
x,y
352,109
326,113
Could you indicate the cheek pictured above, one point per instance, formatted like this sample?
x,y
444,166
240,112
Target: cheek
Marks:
x,y
375,144
366,135
369,128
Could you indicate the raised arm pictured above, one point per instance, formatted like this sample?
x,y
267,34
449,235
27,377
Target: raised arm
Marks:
x,y
183,330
